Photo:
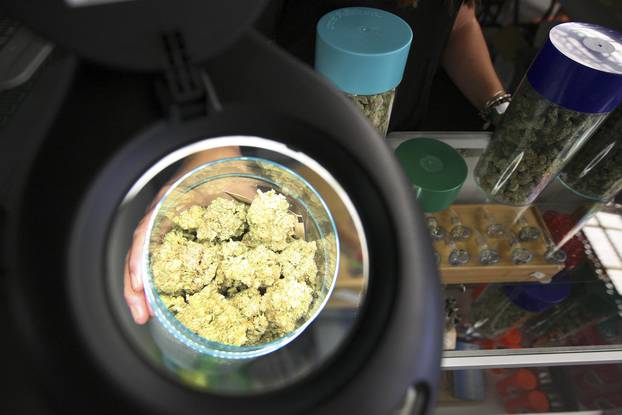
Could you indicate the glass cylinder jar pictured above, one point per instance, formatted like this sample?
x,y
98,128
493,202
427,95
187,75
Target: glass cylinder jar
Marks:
x,y
596,171
493,313
363,52
377,108
500,308
571,86
213,181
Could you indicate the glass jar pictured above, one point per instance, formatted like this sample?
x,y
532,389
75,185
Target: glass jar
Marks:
x,y
493,313
377,108
500,308
596,171
571,86
363,52
172,352
222,179
585,308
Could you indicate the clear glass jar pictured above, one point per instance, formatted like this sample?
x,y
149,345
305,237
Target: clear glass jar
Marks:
x,y
377,108
363,52
218,179
247,370
596,171
534,141
500,308
494,312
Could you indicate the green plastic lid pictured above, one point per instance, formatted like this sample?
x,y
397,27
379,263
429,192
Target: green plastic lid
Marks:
x,y
436,170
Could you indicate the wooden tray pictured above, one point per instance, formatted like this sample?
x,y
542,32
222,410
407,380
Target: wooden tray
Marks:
x,y
504,271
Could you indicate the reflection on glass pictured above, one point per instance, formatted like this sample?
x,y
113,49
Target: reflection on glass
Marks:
x,y
555,256
602,247
520,255
437,232
609,220
493,228
457,256
458,232
615,236
487,255
527,232
615,275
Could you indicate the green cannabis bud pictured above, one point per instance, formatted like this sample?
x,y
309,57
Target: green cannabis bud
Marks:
x,y
535,140
377,108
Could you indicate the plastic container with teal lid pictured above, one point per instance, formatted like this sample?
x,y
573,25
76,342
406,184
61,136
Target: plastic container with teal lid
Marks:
x,y
596,171
435,169
363,51
574,82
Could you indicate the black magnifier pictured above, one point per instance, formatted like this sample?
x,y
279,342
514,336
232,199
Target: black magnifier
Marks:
x,y
154,83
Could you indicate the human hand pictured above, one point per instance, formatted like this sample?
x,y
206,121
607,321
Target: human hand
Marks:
x,y
133,288
133,277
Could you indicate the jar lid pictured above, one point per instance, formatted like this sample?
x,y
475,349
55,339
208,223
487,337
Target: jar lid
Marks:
x,y
580,68
537,297
525,379
435,169
538,401
362,50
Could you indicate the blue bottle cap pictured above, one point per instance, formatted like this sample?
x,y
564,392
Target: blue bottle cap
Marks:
x,y
536,297
580,68
362,50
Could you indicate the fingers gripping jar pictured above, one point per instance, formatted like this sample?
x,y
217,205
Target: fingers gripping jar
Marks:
x,y
569,89
363,51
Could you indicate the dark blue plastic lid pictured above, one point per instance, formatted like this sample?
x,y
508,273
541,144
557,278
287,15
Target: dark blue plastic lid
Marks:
x,y
580,68
538,297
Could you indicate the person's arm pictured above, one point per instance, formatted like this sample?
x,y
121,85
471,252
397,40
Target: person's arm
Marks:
x,y
133,278
467,61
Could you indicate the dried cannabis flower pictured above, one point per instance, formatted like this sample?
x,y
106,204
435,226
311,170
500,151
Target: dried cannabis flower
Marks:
x,y
596,171
211,315
270,222
182,265
221,220
237,292
298,262
174,303
285,304
534,141
377,108
256,268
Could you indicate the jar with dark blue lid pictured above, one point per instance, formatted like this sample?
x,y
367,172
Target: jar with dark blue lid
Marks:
x,y
574,82
501,307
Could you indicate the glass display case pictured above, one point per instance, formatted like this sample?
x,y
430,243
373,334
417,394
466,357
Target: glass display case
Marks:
x,y
553,311
582,389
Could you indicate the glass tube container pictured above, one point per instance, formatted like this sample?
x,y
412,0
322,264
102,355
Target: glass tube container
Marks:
x,y
571,86
363,52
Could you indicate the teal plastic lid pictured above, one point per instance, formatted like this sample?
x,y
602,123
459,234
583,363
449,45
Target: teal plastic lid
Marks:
x,y
362,50
435,169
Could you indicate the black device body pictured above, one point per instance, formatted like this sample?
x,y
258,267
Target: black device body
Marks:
x,y
74,152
